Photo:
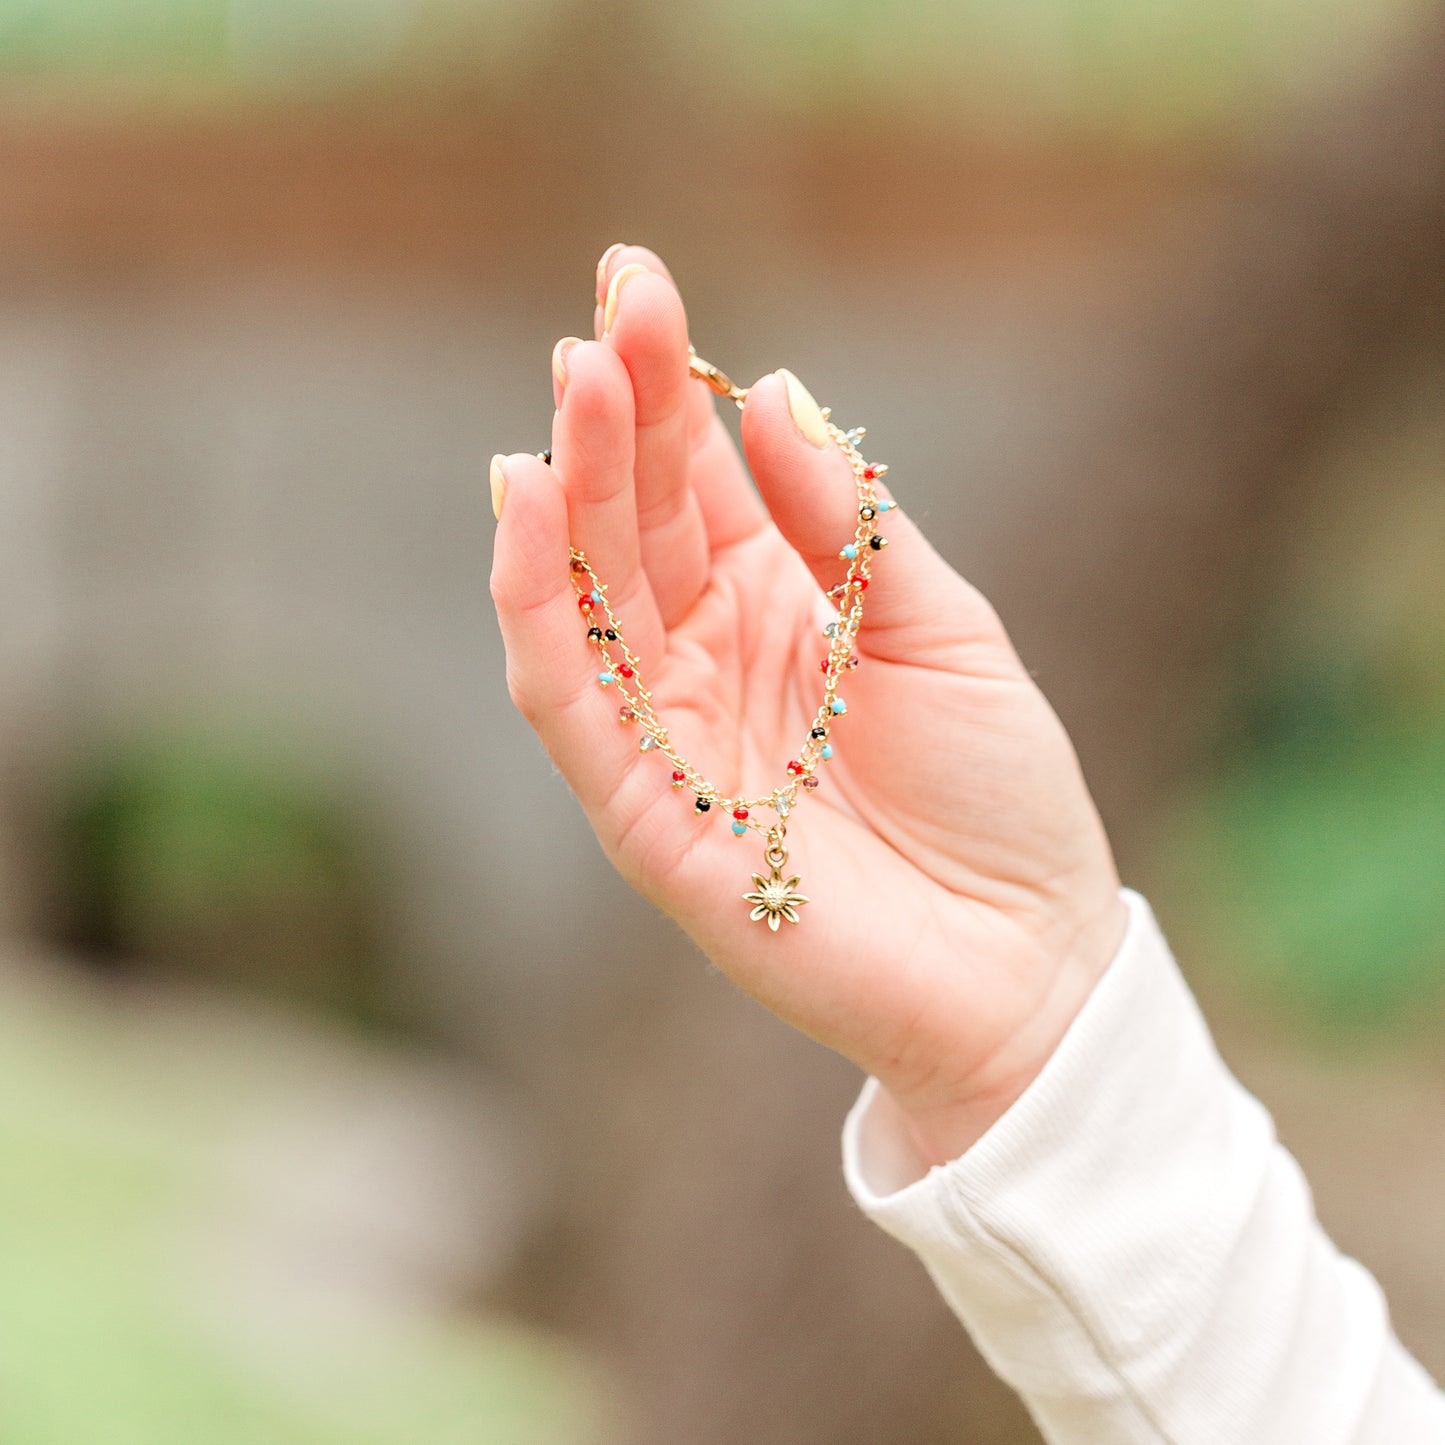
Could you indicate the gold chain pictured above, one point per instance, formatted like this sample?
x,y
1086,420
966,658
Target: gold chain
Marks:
x,y
775,897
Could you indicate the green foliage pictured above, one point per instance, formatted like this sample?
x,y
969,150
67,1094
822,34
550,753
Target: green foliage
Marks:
x,y
208,850
191,49
1317,862
80,35
1150,67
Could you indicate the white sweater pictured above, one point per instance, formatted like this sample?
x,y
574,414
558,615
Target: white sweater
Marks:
x,y
1133,1251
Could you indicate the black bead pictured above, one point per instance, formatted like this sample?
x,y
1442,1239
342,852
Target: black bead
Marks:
x,y
867,513
594,634
819,733
877,543
611,634
703,805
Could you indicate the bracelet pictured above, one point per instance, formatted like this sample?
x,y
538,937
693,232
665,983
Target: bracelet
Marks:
x,y
775,896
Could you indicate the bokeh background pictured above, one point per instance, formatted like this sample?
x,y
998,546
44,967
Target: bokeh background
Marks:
x,y
346,1097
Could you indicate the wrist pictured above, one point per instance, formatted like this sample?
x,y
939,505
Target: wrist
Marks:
x,y
943,1121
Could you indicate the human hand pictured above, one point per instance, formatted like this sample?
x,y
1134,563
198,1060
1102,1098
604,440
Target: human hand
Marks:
x,y
963,897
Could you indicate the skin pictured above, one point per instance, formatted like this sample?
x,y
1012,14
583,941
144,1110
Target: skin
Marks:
x,y
964,900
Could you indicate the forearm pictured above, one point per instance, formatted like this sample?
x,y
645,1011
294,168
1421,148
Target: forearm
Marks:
x,y
1135,1253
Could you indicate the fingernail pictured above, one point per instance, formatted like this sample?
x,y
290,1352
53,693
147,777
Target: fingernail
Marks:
x,y
609,309
499,486
607,255
559,363
806,413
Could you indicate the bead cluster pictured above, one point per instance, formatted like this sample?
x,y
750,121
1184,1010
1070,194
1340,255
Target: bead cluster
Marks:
x,y
620,668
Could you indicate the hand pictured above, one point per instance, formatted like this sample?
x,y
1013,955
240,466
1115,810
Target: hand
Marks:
x,y
963,897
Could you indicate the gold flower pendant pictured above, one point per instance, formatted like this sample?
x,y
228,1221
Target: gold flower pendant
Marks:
x,y
776,897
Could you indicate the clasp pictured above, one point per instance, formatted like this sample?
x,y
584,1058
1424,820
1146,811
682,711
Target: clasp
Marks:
x,y
719,381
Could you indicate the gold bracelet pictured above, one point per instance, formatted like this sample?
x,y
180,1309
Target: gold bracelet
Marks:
x,y
775,897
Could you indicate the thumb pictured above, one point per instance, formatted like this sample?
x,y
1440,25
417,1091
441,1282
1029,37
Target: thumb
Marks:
x,y
915,598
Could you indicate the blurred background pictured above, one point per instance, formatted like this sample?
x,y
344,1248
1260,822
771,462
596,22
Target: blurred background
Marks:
x,y
346,1097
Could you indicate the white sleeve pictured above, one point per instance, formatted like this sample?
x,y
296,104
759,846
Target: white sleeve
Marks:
x,y
1133,1251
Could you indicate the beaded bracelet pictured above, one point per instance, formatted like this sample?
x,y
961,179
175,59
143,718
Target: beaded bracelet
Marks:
x,y
775,897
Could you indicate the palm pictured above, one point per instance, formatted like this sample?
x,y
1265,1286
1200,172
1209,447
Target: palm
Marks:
x,y
951,855
921,806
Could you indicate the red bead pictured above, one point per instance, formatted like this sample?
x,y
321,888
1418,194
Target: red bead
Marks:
x,y
624,671
740,814
870,473
796,769
861,583
585,603
823,666
679,777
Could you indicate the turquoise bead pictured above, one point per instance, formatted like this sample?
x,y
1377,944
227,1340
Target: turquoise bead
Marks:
x,y
850,551
605,677
827,752
740,829
838,705
886,506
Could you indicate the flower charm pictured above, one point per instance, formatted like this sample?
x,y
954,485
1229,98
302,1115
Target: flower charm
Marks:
x,y
775,899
